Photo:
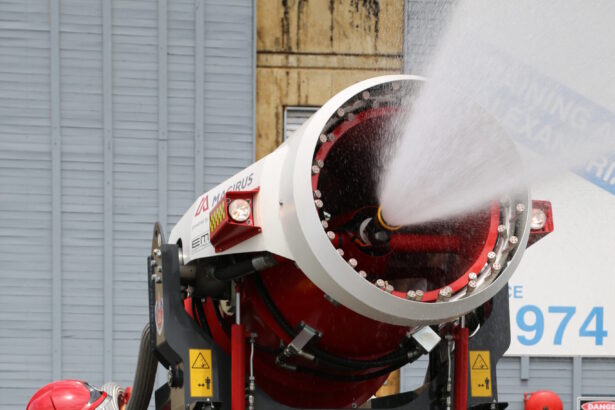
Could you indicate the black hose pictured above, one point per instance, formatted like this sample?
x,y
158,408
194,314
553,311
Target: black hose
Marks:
x,y
245,267
235,271
199,314
394,359
143,384
358,377
227,329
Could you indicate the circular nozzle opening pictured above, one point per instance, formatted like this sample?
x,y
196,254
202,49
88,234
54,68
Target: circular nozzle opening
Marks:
x,y
428,257
384,224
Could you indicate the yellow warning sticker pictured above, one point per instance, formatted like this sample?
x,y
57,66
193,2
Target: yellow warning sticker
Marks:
x,y
480,373
201,380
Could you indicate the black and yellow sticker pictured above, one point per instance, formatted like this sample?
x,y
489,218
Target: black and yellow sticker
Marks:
x,y
201,380
480,373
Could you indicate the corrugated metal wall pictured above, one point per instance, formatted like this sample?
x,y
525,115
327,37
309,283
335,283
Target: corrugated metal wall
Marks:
x,y
113,114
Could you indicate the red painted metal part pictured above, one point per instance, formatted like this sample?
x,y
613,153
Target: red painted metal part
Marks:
x,y
226,232
299,389
188,307
238,367
67,395
405,242
537,234
472,244
344,332
480,258
461,337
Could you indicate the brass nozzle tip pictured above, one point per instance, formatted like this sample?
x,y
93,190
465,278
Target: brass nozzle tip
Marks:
x,y
383,223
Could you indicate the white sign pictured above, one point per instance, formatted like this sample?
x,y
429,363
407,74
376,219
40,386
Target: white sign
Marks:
x,y
595,403
562,294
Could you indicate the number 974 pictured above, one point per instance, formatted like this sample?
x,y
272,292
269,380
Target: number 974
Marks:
x,y
530,319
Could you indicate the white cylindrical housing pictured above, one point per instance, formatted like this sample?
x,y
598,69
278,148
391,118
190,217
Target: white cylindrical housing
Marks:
x,y
291,217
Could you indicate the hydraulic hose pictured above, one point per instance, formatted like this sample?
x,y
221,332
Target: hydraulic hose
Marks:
x,y
145,374
394,359
245,267
359,377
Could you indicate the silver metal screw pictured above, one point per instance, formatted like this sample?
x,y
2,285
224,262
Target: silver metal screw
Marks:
x,y
491,257
501,229
519,210
512,242
445,294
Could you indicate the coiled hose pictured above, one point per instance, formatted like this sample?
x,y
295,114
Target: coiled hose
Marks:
x,y
145,375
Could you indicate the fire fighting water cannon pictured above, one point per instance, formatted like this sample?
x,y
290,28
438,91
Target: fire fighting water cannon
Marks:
x,y
285,286
295,250
311,208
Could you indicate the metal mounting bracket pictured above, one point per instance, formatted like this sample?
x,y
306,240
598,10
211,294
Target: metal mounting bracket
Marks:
x,y
296,346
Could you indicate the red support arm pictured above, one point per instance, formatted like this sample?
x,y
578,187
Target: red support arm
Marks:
x,y
238,367
461,336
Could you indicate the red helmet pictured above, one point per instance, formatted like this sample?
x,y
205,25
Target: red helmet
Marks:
x,y
542,400
67,395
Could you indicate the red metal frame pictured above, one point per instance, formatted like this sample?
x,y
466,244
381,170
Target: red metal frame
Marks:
x,y
238,367
461,337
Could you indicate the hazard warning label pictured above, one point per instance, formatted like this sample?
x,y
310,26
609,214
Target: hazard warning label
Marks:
x,y
480,373
201,380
